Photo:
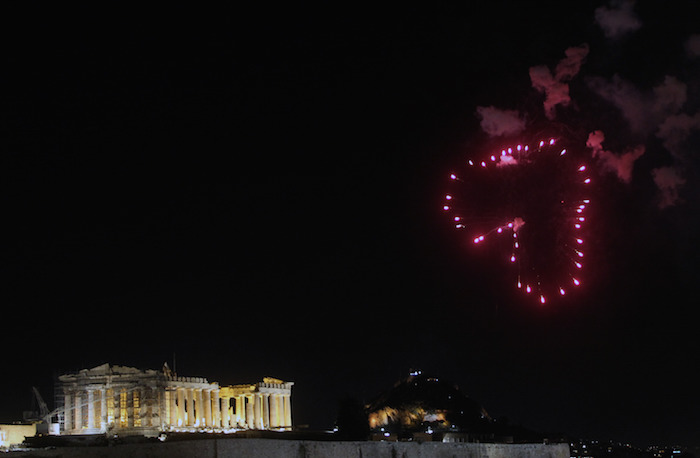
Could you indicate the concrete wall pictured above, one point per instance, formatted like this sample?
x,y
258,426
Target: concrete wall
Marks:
x,y
271,448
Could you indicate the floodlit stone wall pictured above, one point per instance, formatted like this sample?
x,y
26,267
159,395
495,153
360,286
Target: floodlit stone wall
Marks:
x,y
273,448
15,434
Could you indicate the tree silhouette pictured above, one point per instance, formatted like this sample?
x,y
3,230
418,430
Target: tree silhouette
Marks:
x,y
352,422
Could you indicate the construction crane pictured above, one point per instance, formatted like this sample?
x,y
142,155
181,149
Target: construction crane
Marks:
x,y
44,413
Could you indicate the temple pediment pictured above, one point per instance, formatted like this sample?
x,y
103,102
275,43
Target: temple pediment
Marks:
x,y
102,369
107,369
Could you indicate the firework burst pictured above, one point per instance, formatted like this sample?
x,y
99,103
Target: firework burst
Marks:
x,y
527,203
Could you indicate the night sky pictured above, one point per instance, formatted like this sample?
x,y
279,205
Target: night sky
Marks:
x,y
258,191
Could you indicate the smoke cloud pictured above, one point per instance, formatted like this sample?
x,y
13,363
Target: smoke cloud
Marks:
x,y
675,130
618,20
518,223
506,161
622,164
657,112
496,122
642,111
669,181
595,141
669,96
555,86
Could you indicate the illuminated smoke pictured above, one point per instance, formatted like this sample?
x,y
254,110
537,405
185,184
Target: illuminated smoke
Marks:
x,y
555,91
668,181
618,20
642,111
496,122
622,164
625,96
507,160
656,112
555,86
669,97
569,67
518,223
675,130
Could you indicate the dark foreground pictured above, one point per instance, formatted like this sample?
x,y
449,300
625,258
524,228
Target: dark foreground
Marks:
x,y
271,448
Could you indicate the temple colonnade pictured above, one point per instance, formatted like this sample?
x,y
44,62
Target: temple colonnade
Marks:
x,y
225,408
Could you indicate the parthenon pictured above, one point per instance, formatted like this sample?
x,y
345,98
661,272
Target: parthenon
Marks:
x,y
127,400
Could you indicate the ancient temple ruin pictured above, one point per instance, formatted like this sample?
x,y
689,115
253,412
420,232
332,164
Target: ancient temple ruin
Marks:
x,y
125,400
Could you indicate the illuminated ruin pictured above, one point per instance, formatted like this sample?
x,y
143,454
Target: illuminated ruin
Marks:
x,y
127,401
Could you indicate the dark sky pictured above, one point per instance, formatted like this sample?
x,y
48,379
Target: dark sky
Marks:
x,y
258,191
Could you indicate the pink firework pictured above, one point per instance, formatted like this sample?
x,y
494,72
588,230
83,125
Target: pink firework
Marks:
x,y
527,202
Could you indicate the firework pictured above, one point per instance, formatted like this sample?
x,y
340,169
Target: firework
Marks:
x,y
527,203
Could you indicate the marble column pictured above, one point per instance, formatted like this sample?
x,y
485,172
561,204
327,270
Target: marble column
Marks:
x,y
265,411
240,411
146,404
199,416
90,408
160,414
216,411
206,400
225,413
103,410
257,410
171,396
167,408
287,411
250,412
116,406
68,413
274,416
180,406
189,394
78,412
